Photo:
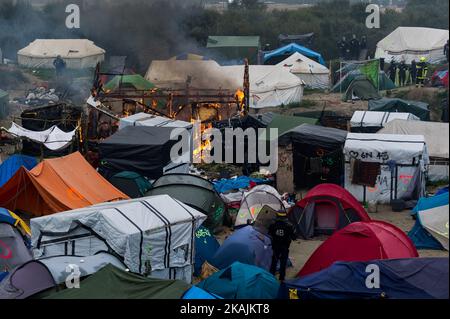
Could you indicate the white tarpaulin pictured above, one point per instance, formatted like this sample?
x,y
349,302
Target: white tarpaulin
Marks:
x,y
77,53
435,221
412,43
403,161
154,235
379,119
315,75
53,138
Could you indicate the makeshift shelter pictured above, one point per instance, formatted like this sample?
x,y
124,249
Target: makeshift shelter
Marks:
x,y
114,283
360,89
131,183
280,54
141,149
12,219
372,121
315,75
56,185
285,123
9,167
241,281
133,82
26,280
431,228
239,182
87,265
368,241
325,209
206,246
419,109
314,156
4,102
234,48
254,200
408,278
13,251
77,53
343,83
246,245
440,78
385,167
194,191
437,138
412,43
154,235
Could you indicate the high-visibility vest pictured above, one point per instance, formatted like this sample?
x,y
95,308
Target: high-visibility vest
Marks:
x,y
422,70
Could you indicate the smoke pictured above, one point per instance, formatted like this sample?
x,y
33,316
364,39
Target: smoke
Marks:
x,y
142,30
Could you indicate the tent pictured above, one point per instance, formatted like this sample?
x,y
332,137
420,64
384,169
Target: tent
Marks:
x,y
87,265
360,89
9,167
412,43
113,283
13,251
154,235
133,82
197,293
342,85
194,191
437,138
239,182
385,167
142,149
254,200
317,154
440,78
277,55
26,280
325,209
315,75
56,185
419,109
77,53
206,246
431,228
408,278
241,281
372,121
245,245
12,219
234,48
368,241
131,183
285,123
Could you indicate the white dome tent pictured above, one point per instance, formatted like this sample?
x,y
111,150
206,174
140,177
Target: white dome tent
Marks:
x,y
77,53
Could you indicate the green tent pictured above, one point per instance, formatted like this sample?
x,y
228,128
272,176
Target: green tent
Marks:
x,y
111,282
131,183
235,47
360,88
4,101
419,109
286,123
134,81
384,82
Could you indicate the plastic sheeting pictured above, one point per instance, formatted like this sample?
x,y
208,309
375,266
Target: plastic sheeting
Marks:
x,y
379,119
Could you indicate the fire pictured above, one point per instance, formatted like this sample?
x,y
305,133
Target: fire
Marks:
x,y
240,96
204,144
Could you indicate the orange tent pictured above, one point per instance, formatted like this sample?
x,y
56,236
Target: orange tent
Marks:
x,y
57,185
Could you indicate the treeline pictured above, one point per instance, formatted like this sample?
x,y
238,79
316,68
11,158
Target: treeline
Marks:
x,y
158,29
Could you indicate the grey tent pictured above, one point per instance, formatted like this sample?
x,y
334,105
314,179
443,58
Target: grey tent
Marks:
x,y
419,109
360,88
194,191
13,251
26,280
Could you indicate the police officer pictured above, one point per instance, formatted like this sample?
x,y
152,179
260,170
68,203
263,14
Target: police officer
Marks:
x,y
393,70
402,73
422,70
354,47
413,71
282,233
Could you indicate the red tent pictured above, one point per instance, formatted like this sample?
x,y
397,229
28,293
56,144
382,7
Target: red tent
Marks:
x,y
326,208
440,78
361,241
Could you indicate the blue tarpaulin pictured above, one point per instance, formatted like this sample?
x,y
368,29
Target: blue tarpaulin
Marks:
x,y
206,246
197,293
9,167
410,278
225,185
292,48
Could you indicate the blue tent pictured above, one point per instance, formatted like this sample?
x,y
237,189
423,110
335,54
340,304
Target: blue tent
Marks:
x,y
421,238
246,245
225,185
9,167
441,191
206,246
241,281
411,278
3,275
197,293
289,49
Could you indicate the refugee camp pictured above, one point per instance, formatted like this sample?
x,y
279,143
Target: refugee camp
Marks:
x,y
224,150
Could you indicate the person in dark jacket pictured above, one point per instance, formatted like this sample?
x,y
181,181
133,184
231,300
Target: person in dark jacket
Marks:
x,y
59,65
402,68
342,46
354,47
282,233
393,70
413,71
446,48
